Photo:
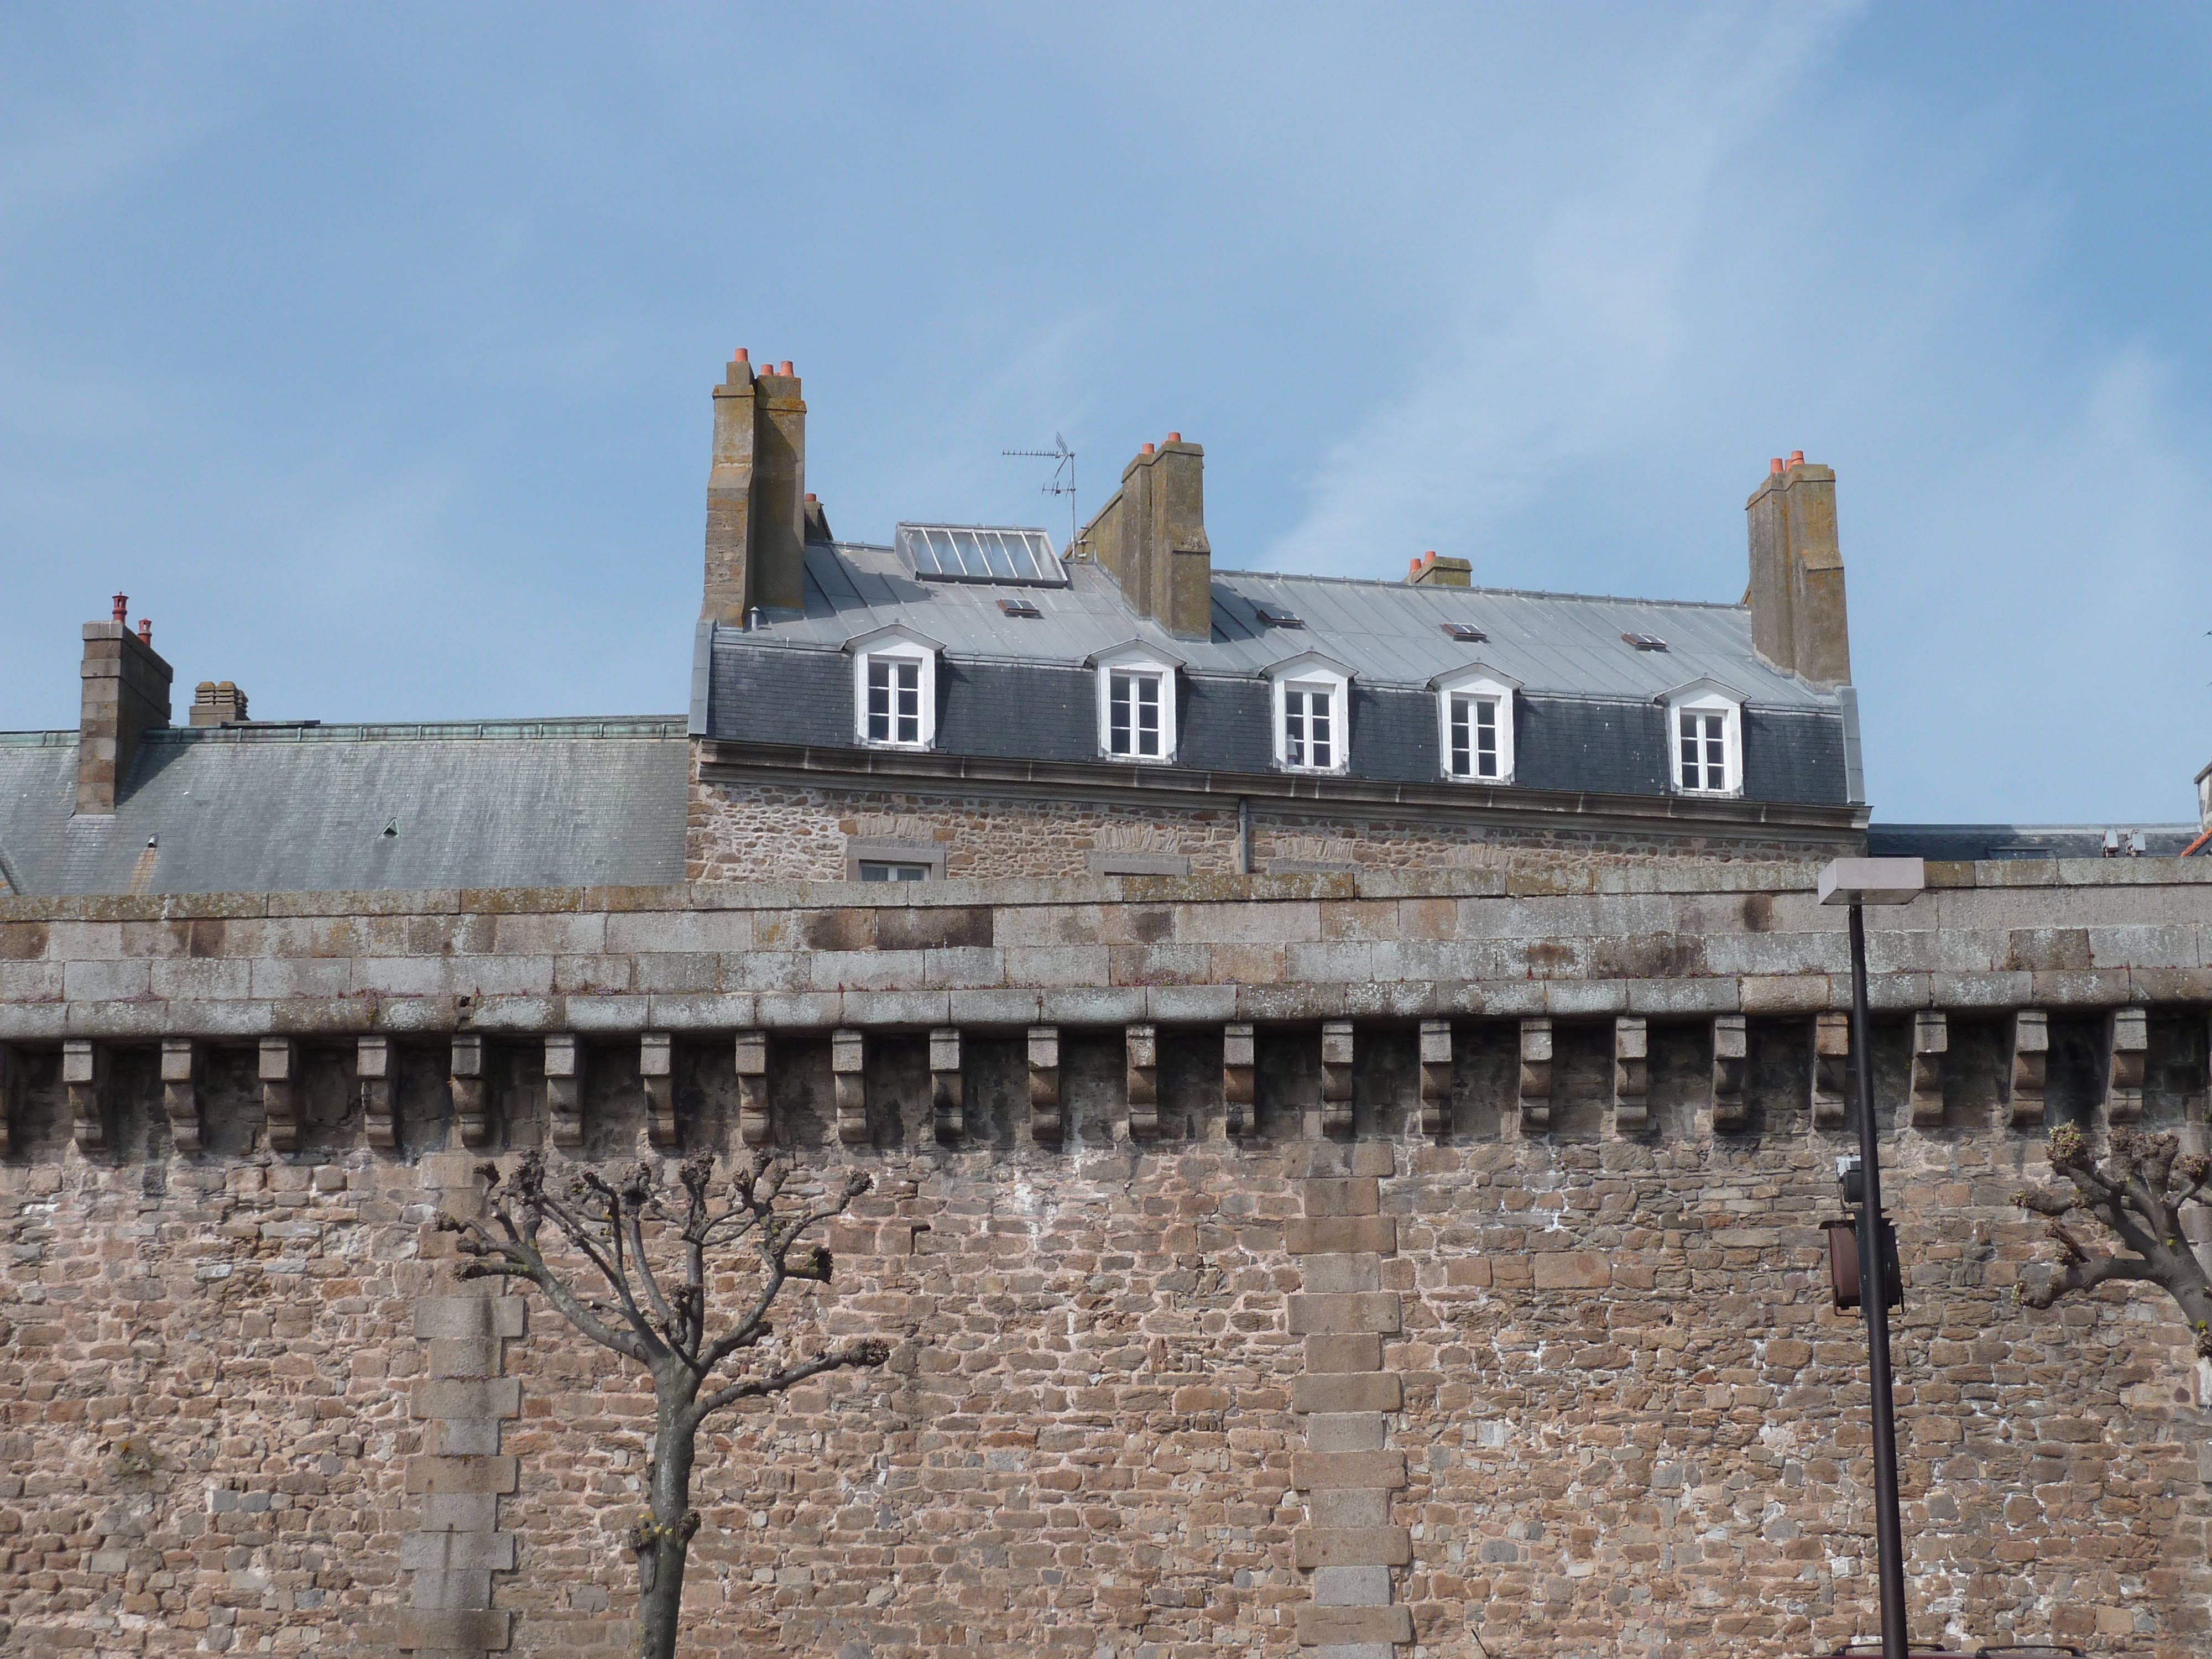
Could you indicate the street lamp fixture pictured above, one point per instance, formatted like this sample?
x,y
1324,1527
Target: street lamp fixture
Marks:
x,y
1858,883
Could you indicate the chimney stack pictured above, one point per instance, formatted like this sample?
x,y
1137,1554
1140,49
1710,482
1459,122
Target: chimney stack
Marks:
x,y
1430,571
217,704
756,511
1152,537
1798,619
126,693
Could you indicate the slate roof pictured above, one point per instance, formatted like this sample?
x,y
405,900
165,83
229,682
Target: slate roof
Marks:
x,y
304,808
1388,633
1968,842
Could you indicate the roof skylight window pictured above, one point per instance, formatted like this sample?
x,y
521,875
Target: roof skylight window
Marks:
x,y
1019,608
1645,641
1465,633
1275,616
981,553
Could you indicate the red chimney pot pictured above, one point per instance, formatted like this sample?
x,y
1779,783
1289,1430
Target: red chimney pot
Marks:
x,y
122,604
811,495
145,631
1797,458
784,368
741,355
1147,450
1174,437
1774,465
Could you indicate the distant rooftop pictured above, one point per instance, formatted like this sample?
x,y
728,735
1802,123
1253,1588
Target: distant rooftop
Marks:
x,y
296,806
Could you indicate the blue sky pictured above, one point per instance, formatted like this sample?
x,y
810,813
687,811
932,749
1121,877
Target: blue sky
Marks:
x,y
368,349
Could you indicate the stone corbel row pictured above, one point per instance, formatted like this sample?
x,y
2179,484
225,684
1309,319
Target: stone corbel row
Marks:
x,y
83,1076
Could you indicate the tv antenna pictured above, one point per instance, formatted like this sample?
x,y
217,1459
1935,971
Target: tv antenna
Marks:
x,y
1063,477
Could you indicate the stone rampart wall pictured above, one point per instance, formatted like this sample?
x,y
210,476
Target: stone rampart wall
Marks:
x,y
1418,1352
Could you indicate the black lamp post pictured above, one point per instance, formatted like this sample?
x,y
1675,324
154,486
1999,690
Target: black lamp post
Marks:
x,y
1858,883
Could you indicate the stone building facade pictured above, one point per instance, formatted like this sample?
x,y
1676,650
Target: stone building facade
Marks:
x,y
1317,1213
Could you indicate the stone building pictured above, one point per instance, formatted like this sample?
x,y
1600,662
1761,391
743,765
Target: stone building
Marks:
x,y
1352,1070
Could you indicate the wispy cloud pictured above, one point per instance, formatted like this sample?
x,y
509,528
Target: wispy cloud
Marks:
x,y
1553,358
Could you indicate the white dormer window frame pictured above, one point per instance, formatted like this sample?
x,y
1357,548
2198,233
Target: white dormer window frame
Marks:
x,y
1137,702
1310,698
1475,724
894,689
1705,739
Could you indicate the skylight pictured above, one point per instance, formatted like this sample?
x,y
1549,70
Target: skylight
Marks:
x,y
1645,641
1466,633
1275,616
981,553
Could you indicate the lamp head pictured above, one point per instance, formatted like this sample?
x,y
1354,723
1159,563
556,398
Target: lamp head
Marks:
x,y
1872,881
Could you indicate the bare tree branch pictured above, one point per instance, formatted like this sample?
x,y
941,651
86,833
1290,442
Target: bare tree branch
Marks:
x,y
606,1224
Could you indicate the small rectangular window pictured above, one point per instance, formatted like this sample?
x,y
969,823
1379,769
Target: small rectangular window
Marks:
x,y
873,870
1474,737
1132,715
1308,739
1704,751
894,701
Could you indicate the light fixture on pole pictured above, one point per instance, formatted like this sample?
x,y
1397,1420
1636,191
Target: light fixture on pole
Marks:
x,y
1858,883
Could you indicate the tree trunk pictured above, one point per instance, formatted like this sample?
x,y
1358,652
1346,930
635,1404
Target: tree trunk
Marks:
x,y
664,1544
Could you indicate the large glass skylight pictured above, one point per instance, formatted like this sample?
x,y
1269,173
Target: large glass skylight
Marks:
x,y
981,553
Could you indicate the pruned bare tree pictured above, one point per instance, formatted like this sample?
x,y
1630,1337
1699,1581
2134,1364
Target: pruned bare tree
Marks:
x,y
2137,1196
656,1315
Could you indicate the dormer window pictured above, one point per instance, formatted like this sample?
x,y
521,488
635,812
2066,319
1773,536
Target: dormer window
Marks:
x,y
1704,738
1474,725
894,700
1136,702
894,689
1311,697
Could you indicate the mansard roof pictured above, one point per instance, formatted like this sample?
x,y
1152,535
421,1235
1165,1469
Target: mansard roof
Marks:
x,y
1388,634
557,803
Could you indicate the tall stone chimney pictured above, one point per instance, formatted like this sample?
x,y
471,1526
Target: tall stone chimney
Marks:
x,y
757,493
1798,620
126,693
1151,537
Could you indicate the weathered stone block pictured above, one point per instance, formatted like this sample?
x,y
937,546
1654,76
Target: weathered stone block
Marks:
x,y
496,1475
1382,1469
495,1396
431,1629
1376,1311
1354,1508
1341,1272
1334,1353
1572,1270
444,1317
1328,1235
1351,1546
1319,1624
1352,1586
1344,1432
455,1552
1348,1391
1358,1195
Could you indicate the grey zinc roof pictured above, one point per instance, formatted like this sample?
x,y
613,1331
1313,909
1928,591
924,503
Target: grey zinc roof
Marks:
x,y
1389,633
304,808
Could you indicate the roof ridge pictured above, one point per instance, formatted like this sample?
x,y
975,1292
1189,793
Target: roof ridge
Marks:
x,y
1509,593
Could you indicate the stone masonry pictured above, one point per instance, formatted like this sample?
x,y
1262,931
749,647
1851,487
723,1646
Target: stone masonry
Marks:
x,y
1349,1265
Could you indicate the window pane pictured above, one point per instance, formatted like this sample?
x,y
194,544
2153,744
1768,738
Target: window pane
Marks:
x,y
1117,714
871,871
1294,727
1318,700
879,702
1486,712
1461,749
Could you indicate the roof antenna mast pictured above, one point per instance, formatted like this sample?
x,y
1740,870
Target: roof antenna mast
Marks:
x,y
1063,478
